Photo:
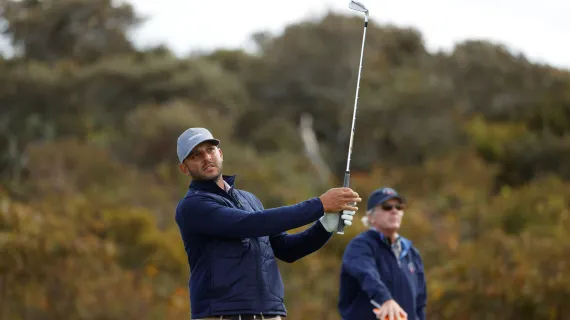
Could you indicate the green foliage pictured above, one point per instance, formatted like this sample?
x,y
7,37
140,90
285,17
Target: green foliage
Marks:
x,y
477,139
81,30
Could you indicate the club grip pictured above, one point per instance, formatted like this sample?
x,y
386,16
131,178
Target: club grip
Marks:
x,y
346,184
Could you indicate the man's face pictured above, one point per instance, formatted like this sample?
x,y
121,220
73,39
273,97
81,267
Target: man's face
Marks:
x,y
204,162
387,216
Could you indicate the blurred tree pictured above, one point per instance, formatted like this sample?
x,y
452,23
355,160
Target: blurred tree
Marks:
x,y
525,247
93,102
399,97
65,260
521,153
81,30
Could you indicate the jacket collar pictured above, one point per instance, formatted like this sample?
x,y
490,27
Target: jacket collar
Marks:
x,y
210,185
406,243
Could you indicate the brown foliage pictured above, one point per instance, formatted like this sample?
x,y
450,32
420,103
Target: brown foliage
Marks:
x,y
478,140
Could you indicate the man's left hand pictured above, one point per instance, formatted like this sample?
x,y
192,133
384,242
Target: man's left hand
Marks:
x,y
330,220
390,310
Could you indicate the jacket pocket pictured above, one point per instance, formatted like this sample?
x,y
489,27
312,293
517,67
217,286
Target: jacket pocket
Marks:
x,y
231,269
234,248
228,277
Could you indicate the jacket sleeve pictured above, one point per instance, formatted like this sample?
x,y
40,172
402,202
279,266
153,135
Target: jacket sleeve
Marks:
x,y
358,261
291,247
421,300
204,215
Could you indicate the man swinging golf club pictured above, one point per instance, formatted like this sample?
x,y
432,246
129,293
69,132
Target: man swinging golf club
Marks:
x,y
232,241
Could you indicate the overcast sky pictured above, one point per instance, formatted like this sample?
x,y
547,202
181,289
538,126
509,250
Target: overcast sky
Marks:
x,y
541,32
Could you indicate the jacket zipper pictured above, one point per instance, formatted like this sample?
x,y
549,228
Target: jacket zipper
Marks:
x,y
236,201
258,270
257,248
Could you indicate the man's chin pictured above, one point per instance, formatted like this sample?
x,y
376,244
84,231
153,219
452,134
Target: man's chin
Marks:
x,y
207,177
395,227
211,177
392,228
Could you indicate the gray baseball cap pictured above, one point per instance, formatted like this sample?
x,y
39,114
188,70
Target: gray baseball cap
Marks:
x,y
190,138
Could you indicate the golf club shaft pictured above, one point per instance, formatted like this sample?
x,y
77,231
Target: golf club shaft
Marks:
x,y
375,304
346,184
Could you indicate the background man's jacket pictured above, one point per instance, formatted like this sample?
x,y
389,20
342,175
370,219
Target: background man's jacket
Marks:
x,y
370,270
232,243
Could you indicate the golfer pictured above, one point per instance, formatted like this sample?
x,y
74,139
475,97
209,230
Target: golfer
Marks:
x,y
232,242
381,265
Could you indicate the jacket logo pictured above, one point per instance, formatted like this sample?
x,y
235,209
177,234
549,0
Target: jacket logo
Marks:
x,y
411,267
194,136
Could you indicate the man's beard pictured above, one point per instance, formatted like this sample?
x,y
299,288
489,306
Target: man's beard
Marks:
x,y
215,178
206,178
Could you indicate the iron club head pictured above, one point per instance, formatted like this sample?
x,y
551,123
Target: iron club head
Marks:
x,y
357,6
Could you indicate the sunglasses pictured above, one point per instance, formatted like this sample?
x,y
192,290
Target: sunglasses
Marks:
x,y
388,207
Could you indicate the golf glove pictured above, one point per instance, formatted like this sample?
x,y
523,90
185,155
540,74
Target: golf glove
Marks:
x,y
330,220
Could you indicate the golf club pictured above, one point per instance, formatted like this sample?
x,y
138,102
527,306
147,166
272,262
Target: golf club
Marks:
x,y
375,304
378,306
357,6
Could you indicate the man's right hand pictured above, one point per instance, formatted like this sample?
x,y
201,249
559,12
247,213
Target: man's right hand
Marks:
x,y
338,199
390,310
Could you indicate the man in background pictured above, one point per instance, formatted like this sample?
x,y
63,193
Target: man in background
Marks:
x,y
381,265
232,242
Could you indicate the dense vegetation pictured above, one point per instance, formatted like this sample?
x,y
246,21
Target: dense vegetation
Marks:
x,y
478,138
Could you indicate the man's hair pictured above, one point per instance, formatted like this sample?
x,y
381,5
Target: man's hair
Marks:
x,y
365,218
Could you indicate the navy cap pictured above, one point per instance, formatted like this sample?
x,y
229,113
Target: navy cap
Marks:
x,y
190,138
381,195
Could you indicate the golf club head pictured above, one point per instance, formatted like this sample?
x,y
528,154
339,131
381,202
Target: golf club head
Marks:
x,y
357,6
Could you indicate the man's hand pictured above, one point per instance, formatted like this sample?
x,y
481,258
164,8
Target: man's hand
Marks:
x,y
338,199
330,220
390,310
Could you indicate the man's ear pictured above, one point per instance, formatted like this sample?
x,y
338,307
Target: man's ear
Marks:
x,y
183,168
221,153
371,216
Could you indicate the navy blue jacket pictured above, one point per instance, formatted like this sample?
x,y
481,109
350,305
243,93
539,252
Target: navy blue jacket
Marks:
x,y
371,271
232,242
